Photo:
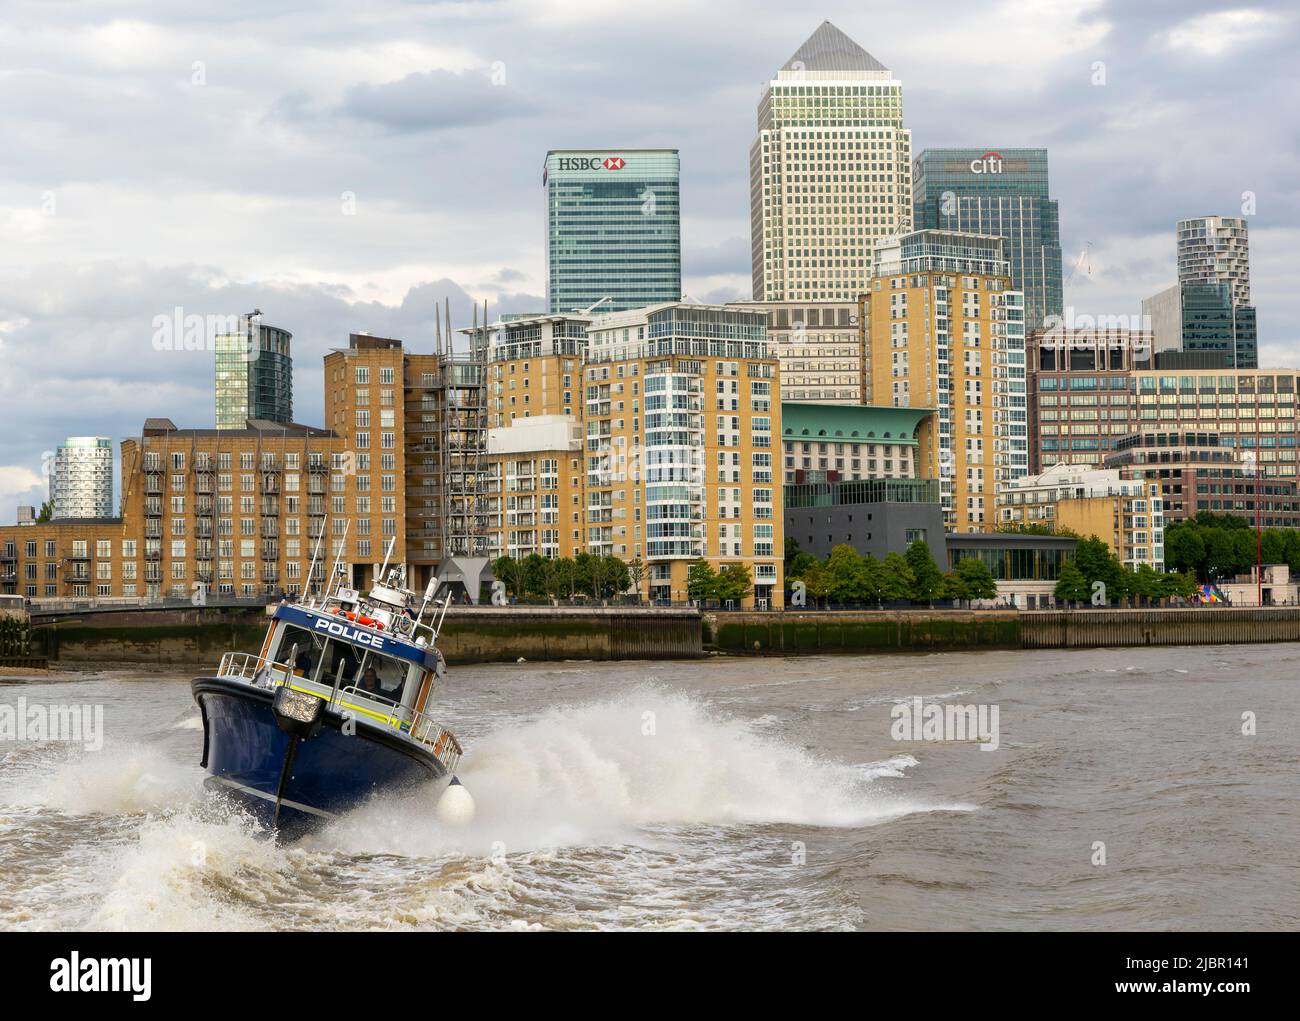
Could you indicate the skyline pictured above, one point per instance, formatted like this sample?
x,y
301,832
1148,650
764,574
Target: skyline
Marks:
x,y
455,106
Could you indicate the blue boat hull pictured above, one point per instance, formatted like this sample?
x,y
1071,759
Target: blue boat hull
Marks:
x,y
245,752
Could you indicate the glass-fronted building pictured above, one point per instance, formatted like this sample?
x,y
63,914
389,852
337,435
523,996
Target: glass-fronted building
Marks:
x,y
1204,318
1003,192
613,229
81,478
254,374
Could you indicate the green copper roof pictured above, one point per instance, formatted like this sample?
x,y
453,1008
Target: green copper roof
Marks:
x,y
851,423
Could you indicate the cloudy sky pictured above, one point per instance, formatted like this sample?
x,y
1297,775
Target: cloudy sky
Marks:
x,y
163,154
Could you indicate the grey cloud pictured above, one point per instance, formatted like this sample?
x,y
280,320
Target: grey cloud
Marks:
x,y
456,164
433,100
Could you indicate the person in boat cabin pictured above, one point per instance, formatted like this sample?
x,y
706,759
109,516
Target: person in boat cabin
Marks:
x,y
373,684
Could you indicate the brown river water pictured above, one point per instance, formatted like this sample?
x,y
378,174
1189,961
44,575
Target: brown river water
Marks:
x,y
715,794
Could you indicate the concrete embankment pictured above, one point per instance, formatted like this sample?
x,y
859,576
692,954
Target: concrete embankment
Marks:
x,y
485,634
1092,629
197,638
811,632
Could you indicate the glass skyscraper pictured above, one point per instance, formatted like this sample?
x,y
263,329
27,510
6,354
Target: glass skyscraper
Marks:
x,y
1003,192
254,375
613,228
1202,318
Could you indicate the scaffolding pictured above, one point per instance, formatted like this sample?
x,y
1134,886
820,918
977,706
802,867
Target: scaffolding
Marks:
x,y
447,457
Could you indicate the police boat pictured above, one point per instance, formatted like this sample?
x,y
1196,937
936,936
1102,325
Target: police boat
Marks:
x,y
336,707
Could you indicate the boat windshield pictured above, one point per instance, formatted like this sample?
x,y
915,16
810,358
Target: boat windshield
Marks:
x,y
328,660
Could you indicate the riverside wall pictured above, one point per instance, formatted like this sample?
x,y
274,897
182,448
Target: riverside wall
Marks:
x,y
197,638
1093,629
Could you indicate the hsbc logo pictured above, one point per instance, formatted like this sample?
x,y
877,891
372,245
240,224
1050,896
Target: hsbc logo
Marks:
x,y
591,163
989,163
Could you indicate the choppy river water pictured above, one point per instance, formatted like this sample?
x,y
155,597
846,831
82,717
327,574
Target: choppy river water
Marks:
x,y
714,794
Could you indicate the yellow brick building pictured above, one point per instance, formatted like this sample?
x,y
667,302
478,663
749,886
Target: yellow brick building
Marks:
x,y
1126,514
681,408
535,492
944,330
231,512
83,558
535,367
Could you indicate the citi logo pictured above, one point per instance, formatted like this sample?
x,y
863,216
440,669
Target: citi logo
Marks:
x,y
989,163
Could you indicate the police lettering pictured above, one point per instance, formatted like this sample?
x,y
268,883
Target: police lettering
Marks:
x,y
334,627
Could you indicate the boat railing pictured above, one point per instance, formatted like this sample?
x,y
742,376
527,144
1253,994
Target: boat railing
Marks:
x,y
416,724
248,666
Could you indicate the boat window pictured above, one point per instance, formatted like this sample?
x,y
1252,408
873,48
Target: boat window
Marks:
x,y
325,660
342,661
305,649
383,677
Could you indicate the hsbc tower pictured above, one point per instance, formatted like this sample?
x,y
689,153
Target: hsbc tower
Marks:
x,y
613,228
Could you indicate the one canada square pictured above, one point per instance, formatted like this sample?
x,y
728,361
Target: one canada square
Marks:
x,y
830,172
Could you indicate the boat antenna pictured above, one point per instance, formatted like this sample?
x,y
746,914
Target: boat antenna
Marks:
x,y
342,542
446,604
387,553
429,590
311,572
